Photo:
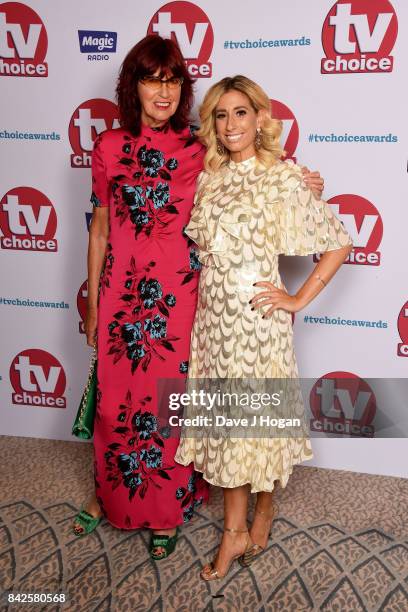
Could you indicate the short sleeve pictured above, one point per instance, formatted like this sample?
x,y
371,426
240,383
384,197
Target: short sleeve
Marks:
x,y
304,225
100,184
201,190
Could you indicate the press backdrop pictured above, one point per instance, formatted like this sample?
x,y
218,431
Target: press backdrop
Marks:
x,y
335,75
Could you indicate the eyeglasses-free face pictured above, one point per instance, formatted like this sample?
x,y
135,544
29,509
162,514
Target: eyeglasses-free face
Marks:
x,y
159,98
155,82
236,122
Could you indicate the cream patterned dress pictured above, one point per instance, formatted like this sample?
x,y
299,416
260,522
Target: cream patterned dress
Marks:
x,y
244,217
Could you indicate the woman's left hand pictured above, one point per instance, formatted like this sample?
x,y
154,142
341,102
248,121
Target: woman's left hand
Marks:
x,y
314,181
275,298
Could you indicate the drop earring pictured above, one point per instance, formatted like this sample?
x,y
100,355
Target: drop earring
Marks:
x,y
220,148
258,138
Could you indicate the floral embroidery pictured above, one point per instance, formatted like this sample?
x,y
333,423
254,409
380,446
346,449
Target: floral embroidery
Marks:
x,y
156,327
183,367
194,264
149,206
107,269
170,300
136,331
151,160
136,460
194,261
159,196
150,291
187,497
95,200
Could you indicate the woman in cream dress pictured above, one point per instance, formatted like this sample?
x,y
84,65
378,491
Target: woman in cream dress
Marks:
x,y
249,208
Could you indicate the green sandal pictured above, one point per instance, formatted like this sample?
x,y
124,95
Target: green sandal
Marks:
x,y
164,541
87,522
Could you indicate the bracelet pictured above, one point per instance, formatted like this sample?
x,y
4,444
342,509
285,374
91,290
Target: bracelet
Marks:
x,y
321,280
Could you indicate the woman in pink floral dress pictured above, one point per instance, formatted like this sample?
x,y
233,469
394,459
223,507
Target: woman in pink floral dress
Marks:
x,y
144,178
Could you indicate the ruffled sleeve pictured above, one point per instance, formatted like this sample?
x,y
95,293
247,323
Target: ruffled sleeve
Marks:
x,y
302,224
201,191
100,183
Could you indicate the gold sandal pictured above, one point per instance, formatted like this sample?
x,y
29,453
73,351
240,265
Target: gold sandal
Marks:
x,y
255,550
212,573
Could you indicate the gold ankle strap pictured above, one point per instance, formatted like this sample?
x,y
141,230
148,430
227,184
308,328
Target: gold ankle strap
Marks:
x,y
268,514
227,529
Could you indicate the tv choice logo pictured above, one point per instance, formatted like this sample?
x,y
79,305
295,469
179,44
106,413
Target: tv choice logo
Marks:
x,y
402,350
88,120
290,128
342,403
364,224
38,379
81,305
97,44
28,221
23,41
188,25
358,36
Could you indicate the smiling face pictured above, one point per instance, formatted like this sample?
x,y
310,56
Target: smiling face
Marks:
x,y
236,122
158,105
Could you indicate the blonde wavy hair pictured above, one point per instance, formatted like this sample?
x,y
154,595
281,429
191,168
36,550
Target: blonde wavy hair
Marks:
x,y
269,151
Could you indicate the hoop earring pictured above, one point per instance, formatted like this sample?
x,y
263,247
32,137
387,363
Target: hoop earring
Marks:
x,y
220,148
258,138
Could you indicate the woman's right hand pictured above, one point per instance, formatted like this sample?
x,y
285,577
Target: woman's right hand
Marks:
x,y
91,321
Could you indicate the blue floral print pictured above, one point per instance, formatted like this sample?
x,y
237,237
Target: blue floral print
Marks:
x,y
195,264
159,196
151,160
152,456
95,200
137,331
170,300
183,367
138,468
187,497
150,291
145,424
156,327
148,205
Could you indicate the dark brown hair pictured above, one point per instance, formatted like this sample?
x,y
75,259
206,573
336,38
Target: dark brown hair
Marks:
x,y
148,55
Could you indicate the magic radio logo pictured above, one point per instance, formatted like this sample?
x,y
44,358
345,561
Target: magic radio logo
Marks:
x,y
97,45
28,221
403,331
290,128
81,305
344,404
89,120
188,25
364,224
23,42
358,36
38,379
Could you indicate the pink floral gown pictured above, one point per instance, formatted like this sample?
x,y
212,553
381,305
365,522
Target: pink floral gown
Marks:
x,y
147,300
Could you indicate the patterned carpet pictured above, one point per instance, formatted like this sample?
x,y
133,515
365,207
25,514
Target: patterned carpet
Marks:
x,y
340,543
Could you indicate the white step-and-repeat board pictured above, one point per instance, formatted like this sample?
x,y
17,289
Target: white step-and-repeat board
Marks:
x,y
335,72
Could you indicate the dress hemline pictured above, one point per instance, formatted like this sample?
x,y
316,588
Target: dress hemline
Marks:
x,y
280,479
151,528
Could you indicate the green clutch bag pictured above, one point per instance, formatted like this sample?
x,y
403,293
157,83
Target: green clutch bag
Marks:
x,y
84,421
